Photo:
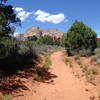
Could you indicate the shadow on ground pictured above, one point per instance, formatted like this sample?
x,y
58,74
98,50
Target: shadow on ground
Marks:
x,y
13,82
45,76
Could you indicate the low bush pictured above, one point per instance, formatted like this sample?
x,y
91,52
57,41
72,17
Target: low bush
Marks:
x,y
85,52
68,60
79,62
98,43
14,53
96,58
47,62
47,48
77,57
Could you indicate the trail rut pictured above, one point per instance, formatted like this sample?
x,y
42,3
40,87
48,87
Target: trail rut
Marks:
x,y
65,86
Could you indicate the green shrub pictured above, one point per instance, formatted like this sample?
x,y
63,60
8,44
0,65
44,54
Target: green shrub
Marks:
x,y
32,38
80,39
63,40
96,58
47,48
9,47
13,50
97,51
85,52
56,42
98,43
14,54
7,16
77,57
46,40
47,61
79,62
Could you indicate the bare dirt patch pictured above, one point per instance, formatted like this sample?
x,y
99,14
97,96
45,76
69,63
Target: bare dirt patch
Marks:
x,y
64,87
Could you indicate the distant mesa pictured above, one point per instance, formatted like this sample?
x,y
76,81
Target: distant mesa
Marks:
x,y
36,31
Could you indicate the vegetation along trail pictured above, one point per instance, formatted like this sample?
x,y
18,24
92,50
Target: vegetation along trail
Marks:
x,y
64,87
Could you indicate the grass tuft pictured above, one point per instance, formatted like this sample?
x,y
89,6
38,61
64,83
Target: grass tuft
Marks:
x,y
7,97
68,60
47,63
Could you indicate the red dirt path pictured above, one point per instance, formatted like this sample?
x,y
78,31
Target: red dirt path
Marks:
x,y
65,86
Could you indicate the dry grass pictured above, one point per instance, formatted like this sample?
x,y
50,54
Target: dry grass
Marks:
x,y
7,97
68,61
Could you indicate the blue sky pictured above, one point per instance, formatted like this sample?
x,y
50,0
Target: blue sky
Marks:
x,y
60,14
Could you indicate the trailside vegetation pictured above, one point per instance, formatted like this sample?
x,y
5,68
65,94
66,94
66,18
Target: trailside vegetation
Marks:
x,y
80,39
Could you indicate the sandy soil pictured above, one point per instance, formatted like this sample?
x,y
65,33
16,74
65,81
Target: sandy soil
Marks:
x,y
64,87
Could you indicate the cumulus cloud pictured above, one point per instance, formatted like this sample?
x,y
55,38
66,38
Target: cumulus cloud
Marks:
x,y
22,14
18,9
40,15
43,16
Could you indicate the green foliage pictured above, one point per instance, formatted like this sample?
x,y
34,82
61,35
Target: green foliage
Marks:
x,y
32,38
47,61
56,42
96,58
68,60
89,72
41,49
98,43
77,57
46,39
9,46
14,53
79,62
85,52
80,37
7,16
63,40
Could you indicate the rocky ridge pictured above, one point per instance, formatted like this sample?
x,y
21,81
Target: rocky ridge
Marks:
x,y
36,31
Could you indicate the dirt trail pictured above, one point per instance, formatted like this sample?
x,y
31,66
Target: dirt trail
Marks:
x,y
65,86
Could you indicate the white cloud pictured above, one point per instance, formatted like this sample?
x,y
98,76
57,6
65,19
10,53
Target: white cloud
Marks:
x,y
40,15
15,33
22,14
18,9
43,16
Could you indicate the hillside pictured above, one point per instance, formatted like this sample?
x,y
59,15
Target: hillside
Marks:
x,y
36,31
